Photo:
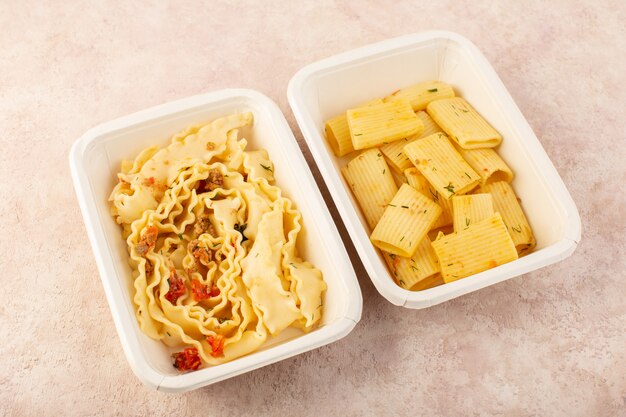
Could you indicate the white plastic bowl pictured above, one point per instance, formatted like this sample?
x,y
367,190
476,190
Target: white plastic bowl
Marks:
x,y
326,88
95,159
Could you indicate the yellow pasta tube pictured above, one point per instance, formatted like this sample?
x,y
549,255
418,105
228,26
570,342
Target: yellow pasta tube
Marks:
x,y
410,271
442,165
470,209
478,247
463,124
428,282
338,132
505,202
487,163
393,151
371,182
382,123
419,95
405,222
416,180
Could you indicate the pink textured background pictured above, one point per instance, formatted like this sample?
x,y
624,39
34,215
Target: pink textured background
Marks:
x,y
551,343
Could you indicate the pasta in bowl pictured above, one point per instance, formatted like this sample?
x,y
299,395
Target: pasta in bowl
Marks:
x,y
212,245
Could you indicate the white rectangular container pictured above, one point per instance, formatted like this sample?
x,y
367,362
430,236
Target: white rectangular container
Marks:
x,y
95,159
326,88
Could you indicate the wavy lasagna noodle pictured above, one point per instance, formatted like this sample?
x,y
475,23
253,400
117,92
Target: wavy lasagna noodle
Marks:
x,y
212,244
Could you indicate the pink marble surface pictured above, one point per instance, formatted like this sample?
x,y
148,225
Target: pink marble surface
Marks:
x,y
550,343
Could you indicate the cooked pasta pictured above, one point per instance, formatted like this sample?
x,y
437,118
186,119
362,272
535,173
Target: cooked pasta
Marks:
x,y
419,95
338,132
487,163
371,182
431,186
505,202
212,246
382,123
408,272
463,124
416,180
470,209
480,246
405,222
393,151
442,165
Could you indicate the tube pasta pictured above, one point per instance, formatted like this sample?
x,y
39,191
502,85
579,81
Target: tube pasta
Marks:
x,y
470,209
419,95
212,245
434,178
372,184
394,151
338,132
416,180
382,123
505,202
463,124
442,165
409,272
487,163
405,222
478,247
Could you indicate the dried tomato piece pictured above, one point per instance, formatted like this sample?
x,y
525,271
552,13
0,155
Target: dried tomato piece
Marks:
x,y
217,345
187,360
147,241
202,292
177,287
214,291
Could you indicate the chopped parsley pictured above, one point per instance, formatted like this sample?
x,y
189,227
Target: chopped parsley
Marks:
x,y
468,175
267,168
180,236
432,90
518,230
450,188
467,221
406,207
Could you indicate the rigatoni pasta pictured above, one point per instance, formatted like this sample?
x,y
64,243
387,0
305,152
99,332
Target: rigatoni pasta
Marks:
x,y
406,221
463,124
474,249
470,209
505,202
409,271
382,123
394,151
416,180
419,95
338,132
371,182
436,197
487,163
442,165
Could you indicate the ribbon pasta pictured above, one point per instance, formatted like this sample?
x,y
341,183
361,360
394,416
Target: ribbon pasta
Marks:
x,y
212,245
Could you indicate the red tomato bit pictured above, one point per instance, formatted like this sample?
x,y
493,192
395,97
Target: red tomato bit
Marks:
x,y
187,360
177,287
217,345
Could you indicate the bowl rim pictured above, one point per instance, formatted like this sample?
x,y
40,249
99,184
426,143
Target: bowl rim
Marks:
x,y
126,324
553,253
